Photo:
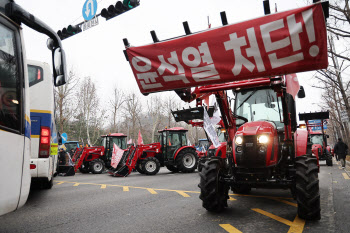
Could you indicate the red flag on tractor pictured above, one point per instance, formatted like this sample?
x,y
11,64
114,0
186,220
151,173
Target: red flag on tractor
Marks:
x,y
139,139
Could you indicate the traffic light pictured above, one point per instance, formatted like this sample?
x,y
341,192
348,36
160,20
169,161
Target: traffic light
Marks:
x,y
119,8
71,30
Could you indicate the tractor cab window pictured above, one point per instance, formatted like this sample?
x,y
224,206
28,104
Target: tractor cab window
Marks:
x,y
177,139
10,91
317,139
221,136
259,105
103,142
119,141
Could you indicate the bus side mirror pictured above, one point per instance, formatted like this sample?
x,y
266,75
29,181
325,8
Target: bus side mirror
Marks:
x,y
301,93
327,136
59,67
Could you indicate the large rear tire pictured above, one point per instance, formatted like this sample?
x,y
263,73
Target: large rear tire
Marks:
x,y
214,193
329,162
187,160
97,166
307,188
150,165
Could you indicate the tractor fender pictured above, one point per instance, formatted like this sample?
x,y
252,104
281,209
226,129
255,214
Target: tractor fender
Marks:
x,y
182,148
300,142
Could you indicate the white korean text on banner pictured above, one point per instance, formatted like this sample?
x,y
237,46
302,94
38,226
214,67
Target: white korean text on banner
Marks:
x,y
209,129
116,155
277,44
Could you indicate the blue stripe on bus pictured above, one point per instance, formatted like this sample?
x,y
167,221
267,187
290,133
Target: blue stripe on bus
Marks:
x,y
27,129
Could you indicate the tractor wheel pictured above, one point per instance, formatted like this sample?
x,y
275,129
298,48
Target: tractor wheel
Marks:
x,y
172,168
139,168
97,166
307,188
84,169
214,193
150,166
187,160
329,162
241,189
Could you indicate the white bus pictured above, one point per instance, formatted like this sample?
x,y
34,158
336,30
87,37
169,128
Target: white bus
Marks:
x,y
14,101
44,138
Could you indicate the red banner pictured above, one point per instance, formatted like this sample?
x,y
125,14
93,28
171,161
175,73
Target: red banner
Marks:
x,y
282,43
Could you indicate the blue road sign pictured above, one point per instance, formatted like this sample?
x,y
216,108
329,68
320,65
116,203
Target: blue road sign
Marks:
x,y
64,138
89,9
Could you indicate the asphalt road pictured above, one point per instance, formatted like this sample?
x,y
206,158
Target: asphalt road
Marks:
x,y
169,202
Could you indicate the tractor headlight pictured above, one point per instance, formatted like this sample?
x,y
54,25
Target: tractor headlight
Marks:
x,y
239,140
263,139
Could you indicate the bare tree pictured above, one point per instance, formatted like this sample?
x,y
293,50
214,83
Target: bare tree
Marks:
x,y
64,100
115,103
88,105
132,110
155,111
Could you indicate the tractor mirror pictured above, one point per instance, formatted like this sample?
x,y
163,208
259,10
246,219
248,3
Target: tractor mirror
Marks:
x,y
301,93
59,138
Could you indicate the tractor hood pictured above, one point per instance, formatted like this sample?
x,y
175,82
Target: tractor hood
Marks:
x,y
256,127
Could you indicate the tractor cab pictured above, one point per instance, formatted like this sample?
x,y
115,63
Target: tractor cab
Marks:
x,y
171,140
107,142
258,105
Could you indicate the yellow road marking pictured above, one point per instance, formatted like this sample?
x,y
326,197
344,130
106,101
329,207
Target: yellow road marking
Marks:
x,y
277,218
230,228
297,226
103,186
183,194
285,202
346,177
152,191
232,199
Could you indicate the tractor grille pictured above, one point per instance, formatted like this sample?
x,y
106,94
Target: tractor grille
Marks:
x,y
250,157
211,153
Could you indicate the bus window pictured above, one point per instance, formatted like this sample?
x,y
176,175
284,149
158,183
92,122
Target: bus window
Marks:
x,y
9,81
35,75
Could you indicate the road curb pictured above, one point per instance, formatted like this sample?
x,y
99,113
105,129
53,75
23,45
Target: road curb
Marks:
x,y
347,166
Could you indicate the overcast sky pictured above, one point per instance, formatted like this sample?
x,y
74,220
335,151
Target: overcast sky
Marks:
x,y
98,52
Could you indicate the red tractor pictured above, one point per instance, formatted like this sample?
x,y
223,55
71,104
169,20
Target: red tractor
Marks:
x,y
264,147
315,124
95,159
170,150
